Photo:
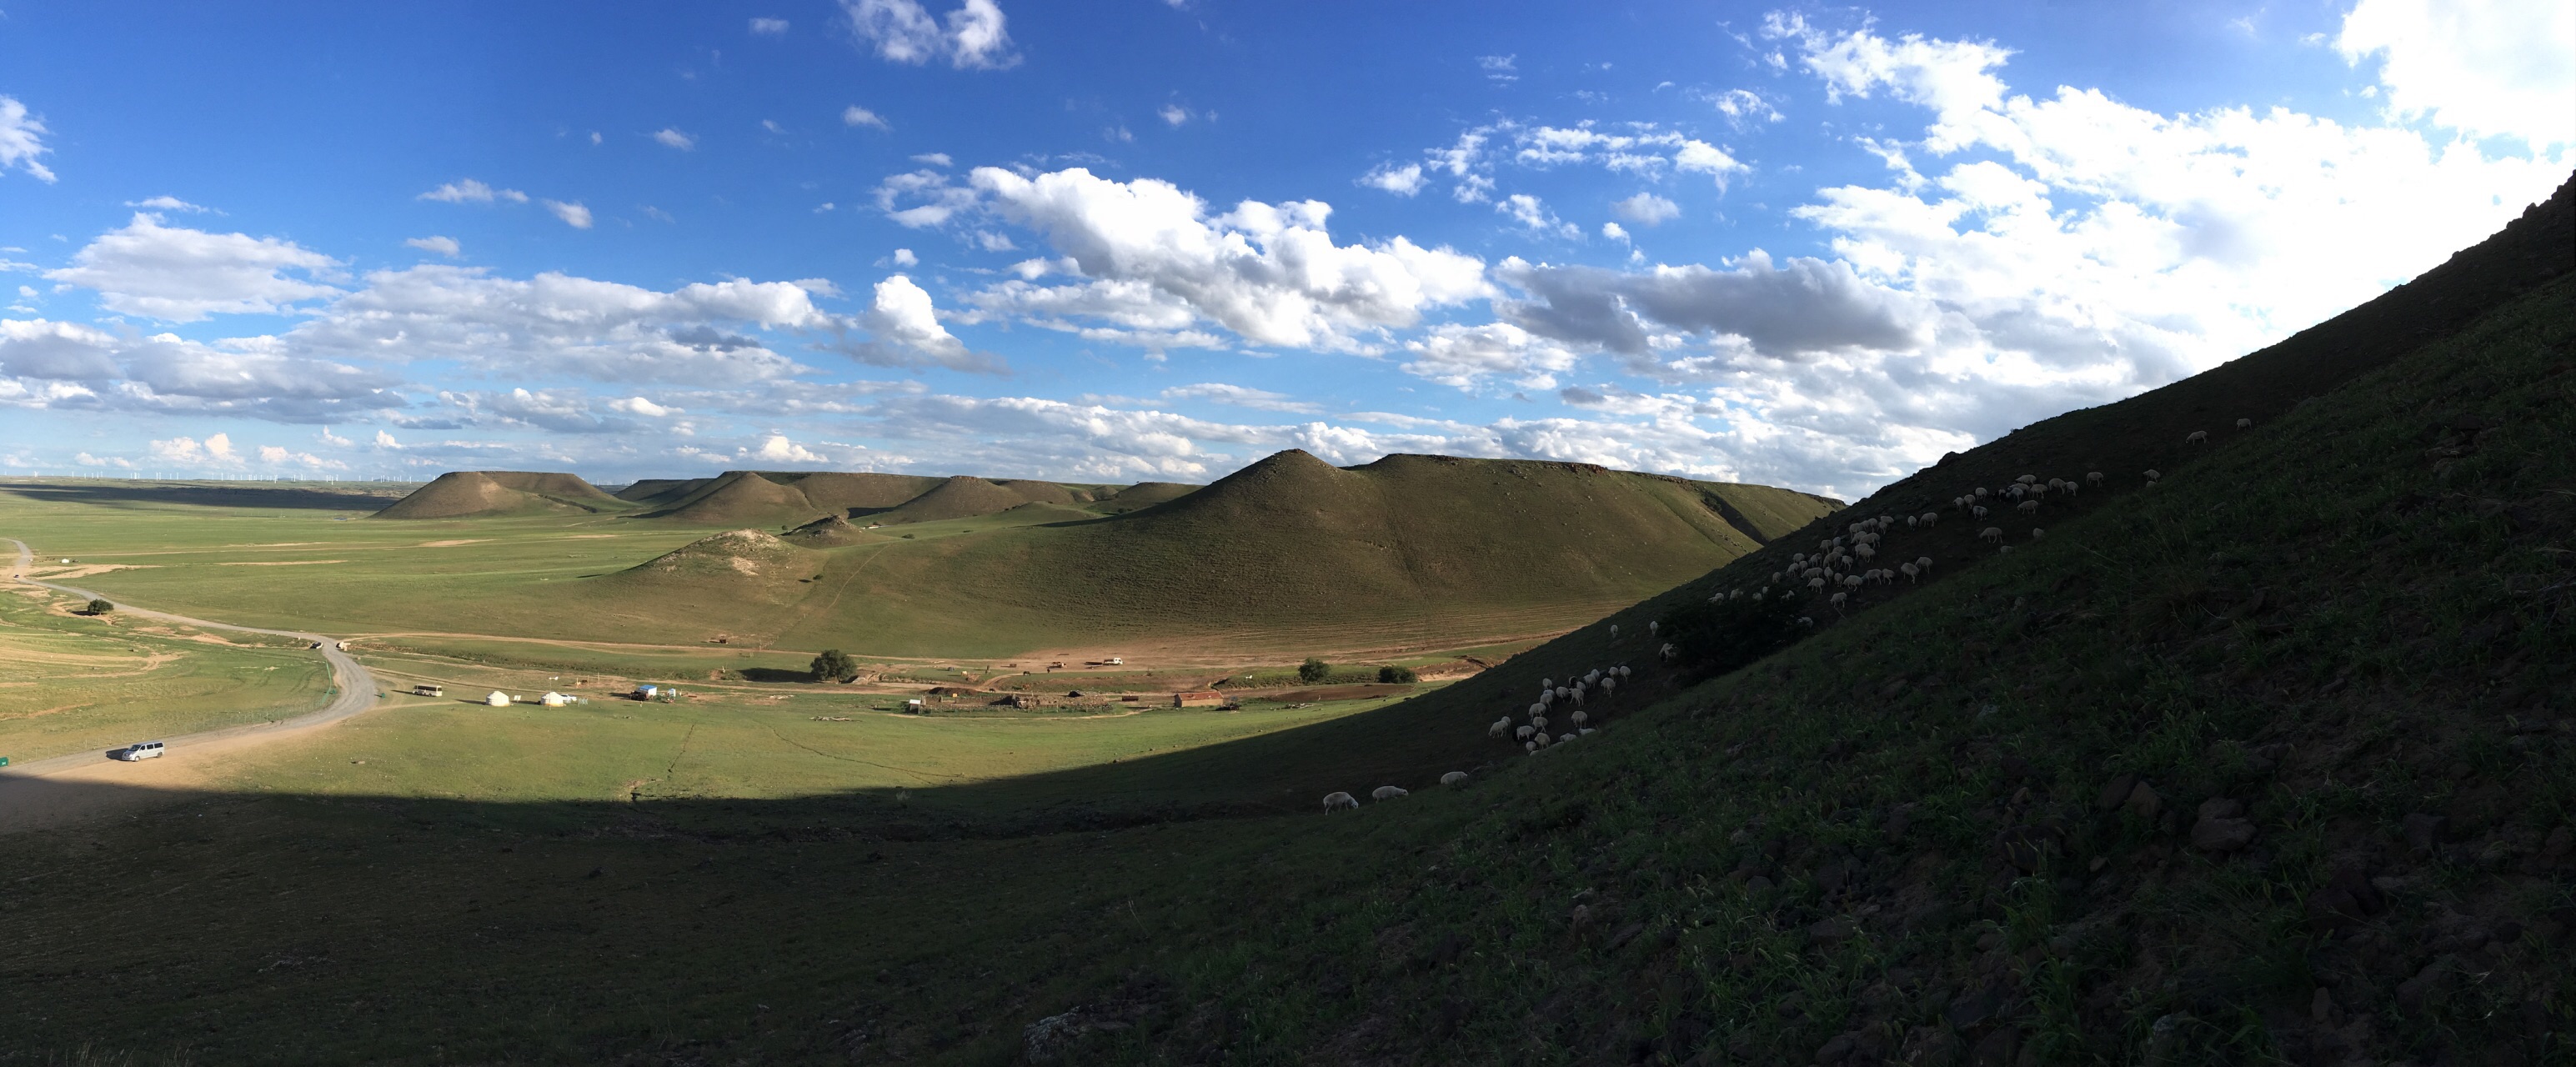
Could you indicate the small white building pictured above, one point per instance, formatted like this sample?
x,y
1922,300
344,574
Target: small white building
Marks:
x,y
497,699
554,700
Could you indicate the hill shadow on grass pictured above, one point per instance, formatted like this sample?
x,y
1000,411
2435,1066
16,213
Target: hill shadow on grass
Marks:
x,y
226,496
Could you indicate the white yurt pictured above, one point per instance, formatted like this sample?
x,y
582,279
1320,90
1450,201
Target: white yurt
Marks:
x,y
554,700
497,699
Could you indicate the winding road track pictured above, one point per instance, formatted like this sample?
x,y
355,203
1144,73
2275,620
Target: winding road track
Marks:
x,y
354,690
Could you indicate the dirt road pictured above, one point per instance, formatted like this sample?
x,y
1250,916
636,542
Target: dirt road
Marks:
x,y
44,792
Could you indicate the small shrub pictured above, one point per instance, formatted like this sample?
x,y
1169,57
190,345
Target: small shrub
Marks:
x,y
1314,670
1392,673
100,607
834,665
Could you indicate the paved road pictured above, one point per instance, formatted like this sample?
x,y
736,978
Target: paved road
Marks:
x,y
355,692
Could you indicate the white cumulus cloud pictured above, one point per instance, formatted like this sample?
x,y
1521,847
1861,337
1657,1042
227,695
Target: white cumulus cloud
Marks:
x,y
854,115
670,137
469,191
973,36
183,275
769,27
445,246
2487,67
572,214
22,139
1646,209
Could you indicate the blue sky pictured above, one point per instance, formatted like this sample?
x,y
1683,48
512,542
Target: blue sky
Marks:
x,y
1804,246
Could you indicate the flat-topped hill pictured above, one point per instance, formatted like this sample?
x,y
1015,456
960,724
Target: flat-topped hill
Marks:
x,y
492,494
1288,551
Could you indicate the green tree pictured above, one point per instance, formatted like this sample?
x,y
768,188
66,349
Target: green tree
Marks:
x,y
100,607
1393,673
834,665
1314,669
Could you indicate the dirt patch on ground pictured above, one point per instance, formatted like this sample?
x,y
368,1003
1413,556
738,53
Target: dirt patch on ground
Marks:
x,y
68,573
282,563
1334,692
452,544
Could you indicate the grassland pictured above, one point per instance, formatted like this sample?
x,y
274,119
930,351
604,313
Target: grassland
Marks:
x,y
1890,842
76,683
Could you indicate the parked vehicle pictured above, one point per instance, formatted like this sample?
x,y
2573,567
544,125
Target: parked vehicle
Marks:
x,y
140,750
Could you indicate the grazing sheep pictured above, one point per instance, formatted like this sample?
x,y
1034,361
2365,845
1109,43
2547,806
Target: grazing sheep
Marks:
x,y
2152,476
1579,718
1386,792
1991,535
1608,686
1614,631
1563,692
1583,733
1501,726
1543,740
1563,738
1807,621
2036,533
2198,437
1337,800
1816,583
1837,599
1530,747
1539,723
2069,490
1453,777
1924,563
2244,424
1667,651
1979,511
1523,733
1981,492
1931,519
2093,477
1623,670
1652,627
2027,479
2029,507
1912,574
1912,521
1866,552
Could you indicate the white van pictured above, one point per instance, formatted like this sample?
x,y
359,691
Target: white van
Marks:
x,y
138,750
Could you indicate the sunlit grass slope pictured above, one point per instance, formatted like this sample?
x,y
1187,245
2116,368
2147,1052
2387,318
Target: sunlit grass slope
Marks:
x,y
77,683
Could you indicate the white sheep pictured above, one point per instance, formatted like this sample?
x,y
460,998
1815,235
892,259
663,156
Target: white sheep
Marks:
x,y
2036,533
1667,651
2152,475
1991,535
2198,437
1548,684
1807,621
1912,521
1978,511
1817,583
2027,479
1912,573
2093,477
1608,686
1543,740
1563,738
1501,726
1837,599
1530,747
1386,792
2244,424
1579,718
1614,631
2029,507
1592,676
1866,552
1337,800
1623,670
1523,733
1931,519
1453,777
1540,722
1923,563
1652,627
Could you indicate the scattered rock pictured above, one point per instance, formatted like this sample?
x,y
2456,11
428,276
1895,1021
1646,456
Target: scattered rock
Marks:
x,y
1998,1049
2143,802
1830,931
2321,1006
1974,1008
2428,988
2116,793
1626,934
1928,1046
1836,1050
2221,827
2425,831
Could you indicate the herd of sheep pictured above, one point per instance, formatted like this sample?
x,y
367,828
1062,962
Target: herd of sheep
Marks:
x,y
1840,567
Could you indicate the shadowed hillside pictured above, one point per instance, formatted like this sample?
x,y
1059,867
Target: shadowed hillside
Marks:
x,y
492,494
963,497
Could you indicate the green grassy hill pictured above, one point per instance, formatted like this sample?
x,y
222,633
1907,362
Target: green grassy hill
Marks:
x,y
2271,763
1289,553
497,494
